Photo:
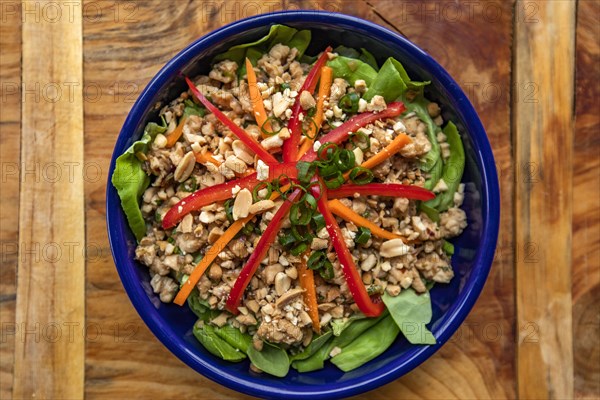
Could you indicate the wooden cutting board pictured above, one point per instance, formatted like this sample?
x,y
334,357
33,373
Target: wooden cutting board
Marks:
x,y
70,72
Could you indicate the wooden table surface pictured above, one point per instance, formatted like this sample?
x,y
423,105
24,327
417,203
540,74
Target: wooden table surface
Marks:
x,y
70,72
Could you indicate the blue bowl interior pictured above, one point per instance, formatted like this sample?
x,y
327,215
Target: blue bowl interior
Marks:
x,y
474,248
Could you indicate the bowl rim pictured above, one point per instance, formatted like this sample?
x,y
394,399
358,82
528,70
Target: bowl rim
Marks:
x,y
455,314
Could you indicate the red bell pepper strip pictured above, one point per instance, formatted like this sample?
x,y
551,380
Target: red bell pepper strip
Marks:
x,y
259,253
292,144
237,131
382,189
342,132
369,307
221,192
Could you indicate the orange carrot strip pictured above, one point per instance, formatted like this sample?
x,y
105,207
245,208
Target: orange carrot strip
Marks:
x,y
256,99
174,136
307,282
397,144
388,151
324,88
206,157
346,213
208,258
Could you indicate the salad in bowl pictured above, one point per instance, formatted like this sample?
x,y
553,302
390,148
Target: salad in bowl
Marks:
x,y
301,205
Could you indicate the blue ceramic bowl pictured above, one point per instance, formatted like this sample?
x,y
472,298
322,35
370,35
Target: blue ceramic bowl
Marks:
x,y
474,249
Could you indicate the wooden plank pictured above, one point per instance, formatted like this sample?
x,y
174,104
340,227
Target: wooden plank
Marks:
x,y
543,142
50,290
123,48
483,348
586,208
10,131
121,56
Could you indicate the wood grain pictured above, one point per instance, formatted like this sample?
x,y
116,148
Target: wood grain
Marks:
x,y
10,139
483,348
50,288
586,207
120,56
543,140
124,45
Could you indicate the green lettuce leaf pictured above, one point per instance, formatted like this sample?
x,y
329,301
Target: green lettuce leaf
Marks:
x,y
131,181
432,161
271,359
201,307
339,325
352,69
349,334
313,347
392,81
367,346
277,34
452,171
411,312
364,55
208,337
233,336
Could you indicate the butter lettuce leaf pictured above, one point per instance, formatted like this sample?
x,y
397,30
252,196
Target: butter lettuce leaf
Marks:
x,y
452,170
271,359
352,69
286,35
208,337
367,346
131,180
411,312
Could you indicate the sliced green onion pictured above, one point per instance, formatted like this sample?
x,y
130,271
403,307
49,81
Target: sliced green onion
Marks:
x,y
301,233
275,131
316,259
431,212
326,270
301,248
300,215
229,209
374,289
360,140
306,170
363,235
448,247
248,229
361,175
287,240
335,181
260,186
190,185
319,221
197,258
305,131
328,169
326,151
349,102
281,180
311,111
345,159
